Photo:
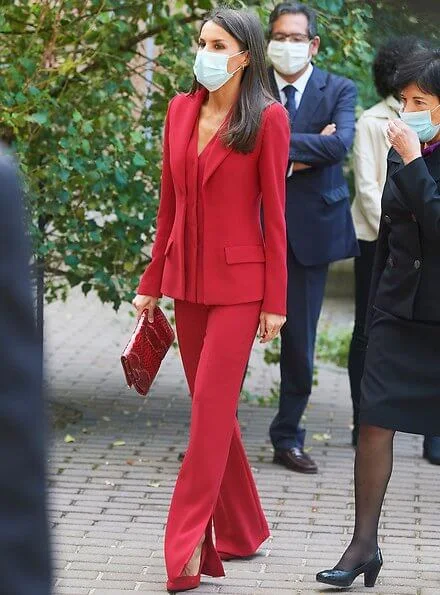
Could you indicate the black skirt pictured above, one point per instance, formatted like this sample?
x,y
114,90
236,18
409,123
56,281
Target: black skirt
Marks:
x,y
401,382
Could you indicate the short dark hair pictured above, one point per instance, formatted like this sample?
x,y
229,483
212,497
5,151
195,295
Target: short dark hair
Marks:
x,y
255,94
421,68
294,8
389,57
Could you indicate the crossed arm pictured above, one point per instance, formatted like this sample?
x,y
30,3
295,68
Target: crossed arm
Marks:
x,y
327,131
332,144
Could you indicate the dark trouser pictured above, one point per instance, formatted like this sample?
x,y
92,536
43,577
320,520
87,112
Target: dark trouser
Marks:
x,y
363,268
305,294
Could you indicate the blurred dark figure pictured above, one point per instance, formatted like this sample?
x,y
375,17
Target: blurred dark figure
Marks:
x,y
24,547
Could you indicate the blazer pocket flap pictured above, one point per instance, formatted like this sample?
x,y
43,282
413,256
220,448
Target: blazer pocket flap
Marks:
x,y
336,194
239,254
168,246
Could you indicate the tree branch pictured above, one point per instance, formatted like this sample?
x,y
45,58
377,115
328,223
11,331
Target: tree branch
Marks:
x,y
17,33
156,30
116,9
130,46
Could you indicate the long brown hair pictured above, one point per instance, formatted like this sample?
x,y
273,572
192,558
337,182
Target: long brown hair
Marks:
x,y
255,95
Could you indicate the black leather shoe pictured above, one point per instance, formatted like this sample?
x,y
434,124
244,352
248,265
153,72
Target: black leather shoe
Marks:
x,y
431,449
295,459
345,578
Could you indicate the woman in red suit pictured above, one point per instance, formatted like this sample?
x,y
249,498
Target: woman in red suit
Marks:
x,y
225,155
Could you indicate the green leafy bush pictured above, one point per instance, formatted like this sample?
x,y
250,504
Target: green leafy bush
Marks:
x,y
89,139
332,345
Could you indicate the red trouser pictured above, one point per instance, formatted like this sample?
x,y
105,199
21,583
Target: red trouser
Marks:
x,y
215,482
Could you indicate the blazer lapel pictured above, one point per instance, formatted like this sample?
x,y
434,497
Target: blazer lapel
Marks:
x,y
312,96
181,135
217,153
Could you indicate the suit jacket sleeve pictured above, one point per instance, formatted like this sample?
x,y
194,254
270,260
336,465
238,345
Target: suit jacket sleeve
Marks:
x,y
318,150
380,260
272,168
151,280
422,195
24,550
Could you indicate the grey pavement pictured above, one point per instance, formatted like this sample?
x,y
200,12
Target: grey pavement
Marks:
x,y
110,487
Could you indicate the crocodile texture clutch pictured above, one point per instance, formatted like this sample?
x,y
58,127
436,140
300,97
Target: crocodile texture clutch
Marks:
x,y
146,349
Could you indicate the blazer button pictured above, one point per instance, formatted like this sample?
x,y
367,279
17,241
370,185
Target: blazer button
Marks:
x,y
387,219
417,264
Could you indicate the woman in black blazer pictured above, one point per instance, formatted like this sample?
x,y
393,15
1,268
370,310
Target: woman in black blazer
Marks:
x,y
401,382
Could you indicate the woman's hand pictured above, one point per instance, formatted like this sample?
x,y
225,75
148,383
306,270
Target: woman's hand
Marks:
x,y
270,325
404,140
145,302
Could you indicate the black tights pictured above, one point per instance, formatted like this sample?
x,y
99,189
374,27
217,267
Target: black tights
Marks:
x,y
372,471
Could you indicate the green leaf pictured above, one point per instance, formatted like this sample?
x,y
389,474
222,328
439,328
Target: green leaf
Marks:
x,y
95,236
85,145
87,128
34,91
71,260
136,137
39,118
86,287
321,437
121,177
139,160
20,98
64,175
28,64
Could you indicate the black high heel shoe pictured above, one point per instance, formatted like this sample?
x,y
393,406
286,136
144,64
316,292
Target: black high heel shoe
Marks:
x,y
345,578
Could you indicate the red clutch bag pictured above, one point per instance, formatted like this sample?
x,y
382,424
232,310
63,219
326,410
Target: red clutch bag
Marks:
x,y
146,349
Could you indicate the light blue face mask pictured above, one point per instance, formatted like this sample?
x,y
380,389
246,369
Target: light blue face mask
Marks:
x,y
211,69
421,122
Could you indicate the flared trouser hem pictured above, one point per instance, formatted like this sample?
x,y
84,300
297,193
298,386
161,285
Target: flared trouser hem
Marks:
x,y
215,488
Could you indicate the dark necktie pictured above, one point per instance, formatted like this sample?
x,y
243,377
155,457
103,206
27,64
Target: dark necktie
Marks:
x,y
290,104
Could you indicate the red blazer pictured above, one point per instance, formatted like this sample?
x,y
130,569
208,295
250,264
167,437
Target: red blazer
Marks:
x,y
240,263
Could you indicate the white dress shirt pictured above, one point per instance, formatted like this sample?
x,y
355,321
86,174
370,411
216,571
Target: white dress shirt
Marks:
x,y
299,85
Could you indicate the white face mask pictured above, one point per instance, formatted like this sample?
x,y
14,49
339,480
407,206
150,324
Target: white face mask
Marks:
x,y
288,57
211,69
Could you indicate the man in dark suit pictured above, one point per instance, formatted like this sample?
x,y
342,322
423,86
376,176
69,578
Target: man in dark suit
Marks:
x,y
24,549
319,225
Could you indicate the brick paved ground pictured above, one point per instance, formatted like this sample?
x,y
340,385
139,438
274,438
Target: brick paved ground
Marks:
x,y
108,503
